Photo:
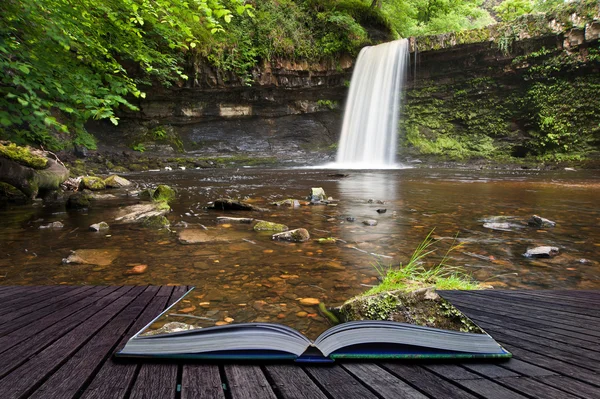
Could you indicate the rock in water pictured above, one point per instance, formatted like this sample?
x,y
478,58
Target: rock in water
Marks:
x,y
383,210
53,225
194,236
138,213
228,220
79,200
100,257
228,204
541,252
498,226
263,225
538,221
115,181
298,235
156,222
370,222
92,183
99,226
164,193
317,194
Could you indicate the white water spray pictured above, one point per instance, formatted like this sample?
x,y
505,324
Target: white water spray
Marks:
x,y
370,127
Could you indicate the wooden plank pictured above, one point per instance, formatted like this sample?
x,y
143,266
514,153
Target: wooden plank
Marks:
x,y
291,382
155,381
26,377
24,297
546,301
385,384
78,369
28,315
535,312
531,301
147,382
518,366
491,371
536,389
549,363
337,383
201,381
247,382
114,379
490,389
561,340
529,316
452,372
36,326
426,381
571,385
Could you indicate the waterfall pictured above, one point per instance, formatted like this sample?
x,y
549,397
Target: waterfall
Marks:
x,y
370,127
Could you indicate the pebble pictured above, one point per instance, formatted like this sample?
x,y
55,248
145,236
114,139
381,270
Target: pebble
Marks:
x,y
137,269
228,319
309,301
301,314
221,323
188,309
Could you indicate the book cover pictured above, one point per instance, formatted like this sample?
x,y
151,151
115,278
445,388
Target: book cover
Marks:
x,y
187,331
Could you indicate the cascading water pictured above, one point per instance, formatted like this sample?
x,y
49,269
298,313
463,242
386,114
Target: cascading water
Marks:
x,y
370,127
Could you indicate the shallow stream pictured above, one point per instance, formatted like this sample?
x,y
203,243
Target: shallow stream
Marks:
x,y
251,277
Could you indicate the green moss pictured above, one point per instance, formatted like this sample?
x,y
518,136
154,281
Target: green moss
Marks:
x,y
92,183
23,156
269,226
164,193
156,222
328,240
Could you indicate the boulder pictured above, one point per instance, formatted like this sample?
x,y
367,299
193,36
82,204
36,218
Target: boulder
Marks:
x,y
115,181
138,213
541,252
79,200
287,202
99,226
228,220
228,204
99,257
540,222
263,225
164,193
297,235
195,236
93,183
498,226
317,194
53,225
156,222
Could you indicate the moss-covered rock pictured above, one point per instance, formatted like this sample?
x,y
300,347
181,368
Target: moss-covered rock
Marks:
x,y
263,225
79,200
25,156
114,181
156,222
93,183
297,235
422,307
164,193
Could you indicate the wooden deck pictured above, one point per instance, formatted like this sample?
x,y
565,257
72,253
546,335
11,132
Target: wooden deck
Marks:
x,y
57,342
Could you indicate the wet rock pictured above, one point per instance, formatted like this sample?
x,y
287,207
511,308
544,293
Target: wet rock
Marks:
x,y
156,222
297,235
137,269
99,226
53,225
541,252
115,181
79,200
228,204
194,236
317,194
287,202
540,222
498,226
146,194
370,222
328,240
381,210
99,257
309,301
164,193
263,225
227,220
168,328
92,183
138,213
351,219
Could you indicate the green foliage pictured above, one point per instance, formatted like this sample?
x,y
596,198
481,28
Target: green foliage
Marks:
x,y
415,275
23,156
68,61
510,9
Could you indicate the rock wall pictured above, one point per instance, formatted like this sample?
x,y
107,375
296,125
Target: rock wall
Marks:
x,y
524,89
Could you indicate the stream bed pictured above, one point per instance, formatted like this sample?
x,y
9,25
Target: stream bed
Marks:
x,y
249,277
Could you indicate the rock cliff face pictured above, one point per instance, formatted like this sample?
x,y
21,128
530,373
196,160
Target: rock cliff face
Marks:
x,y
528,88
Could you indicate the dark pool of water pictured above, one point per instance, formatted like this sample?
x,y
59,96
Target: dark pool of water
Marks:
x,y
252,277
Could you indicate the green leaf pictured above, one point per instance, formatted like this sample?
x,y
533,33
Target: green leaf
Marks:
x,y
23,102
196,18
24,69
114,120
192,44
227,18
5,121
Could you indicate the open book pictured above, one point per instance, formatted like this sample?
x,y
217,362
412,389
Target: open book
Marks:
x,y
377,339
